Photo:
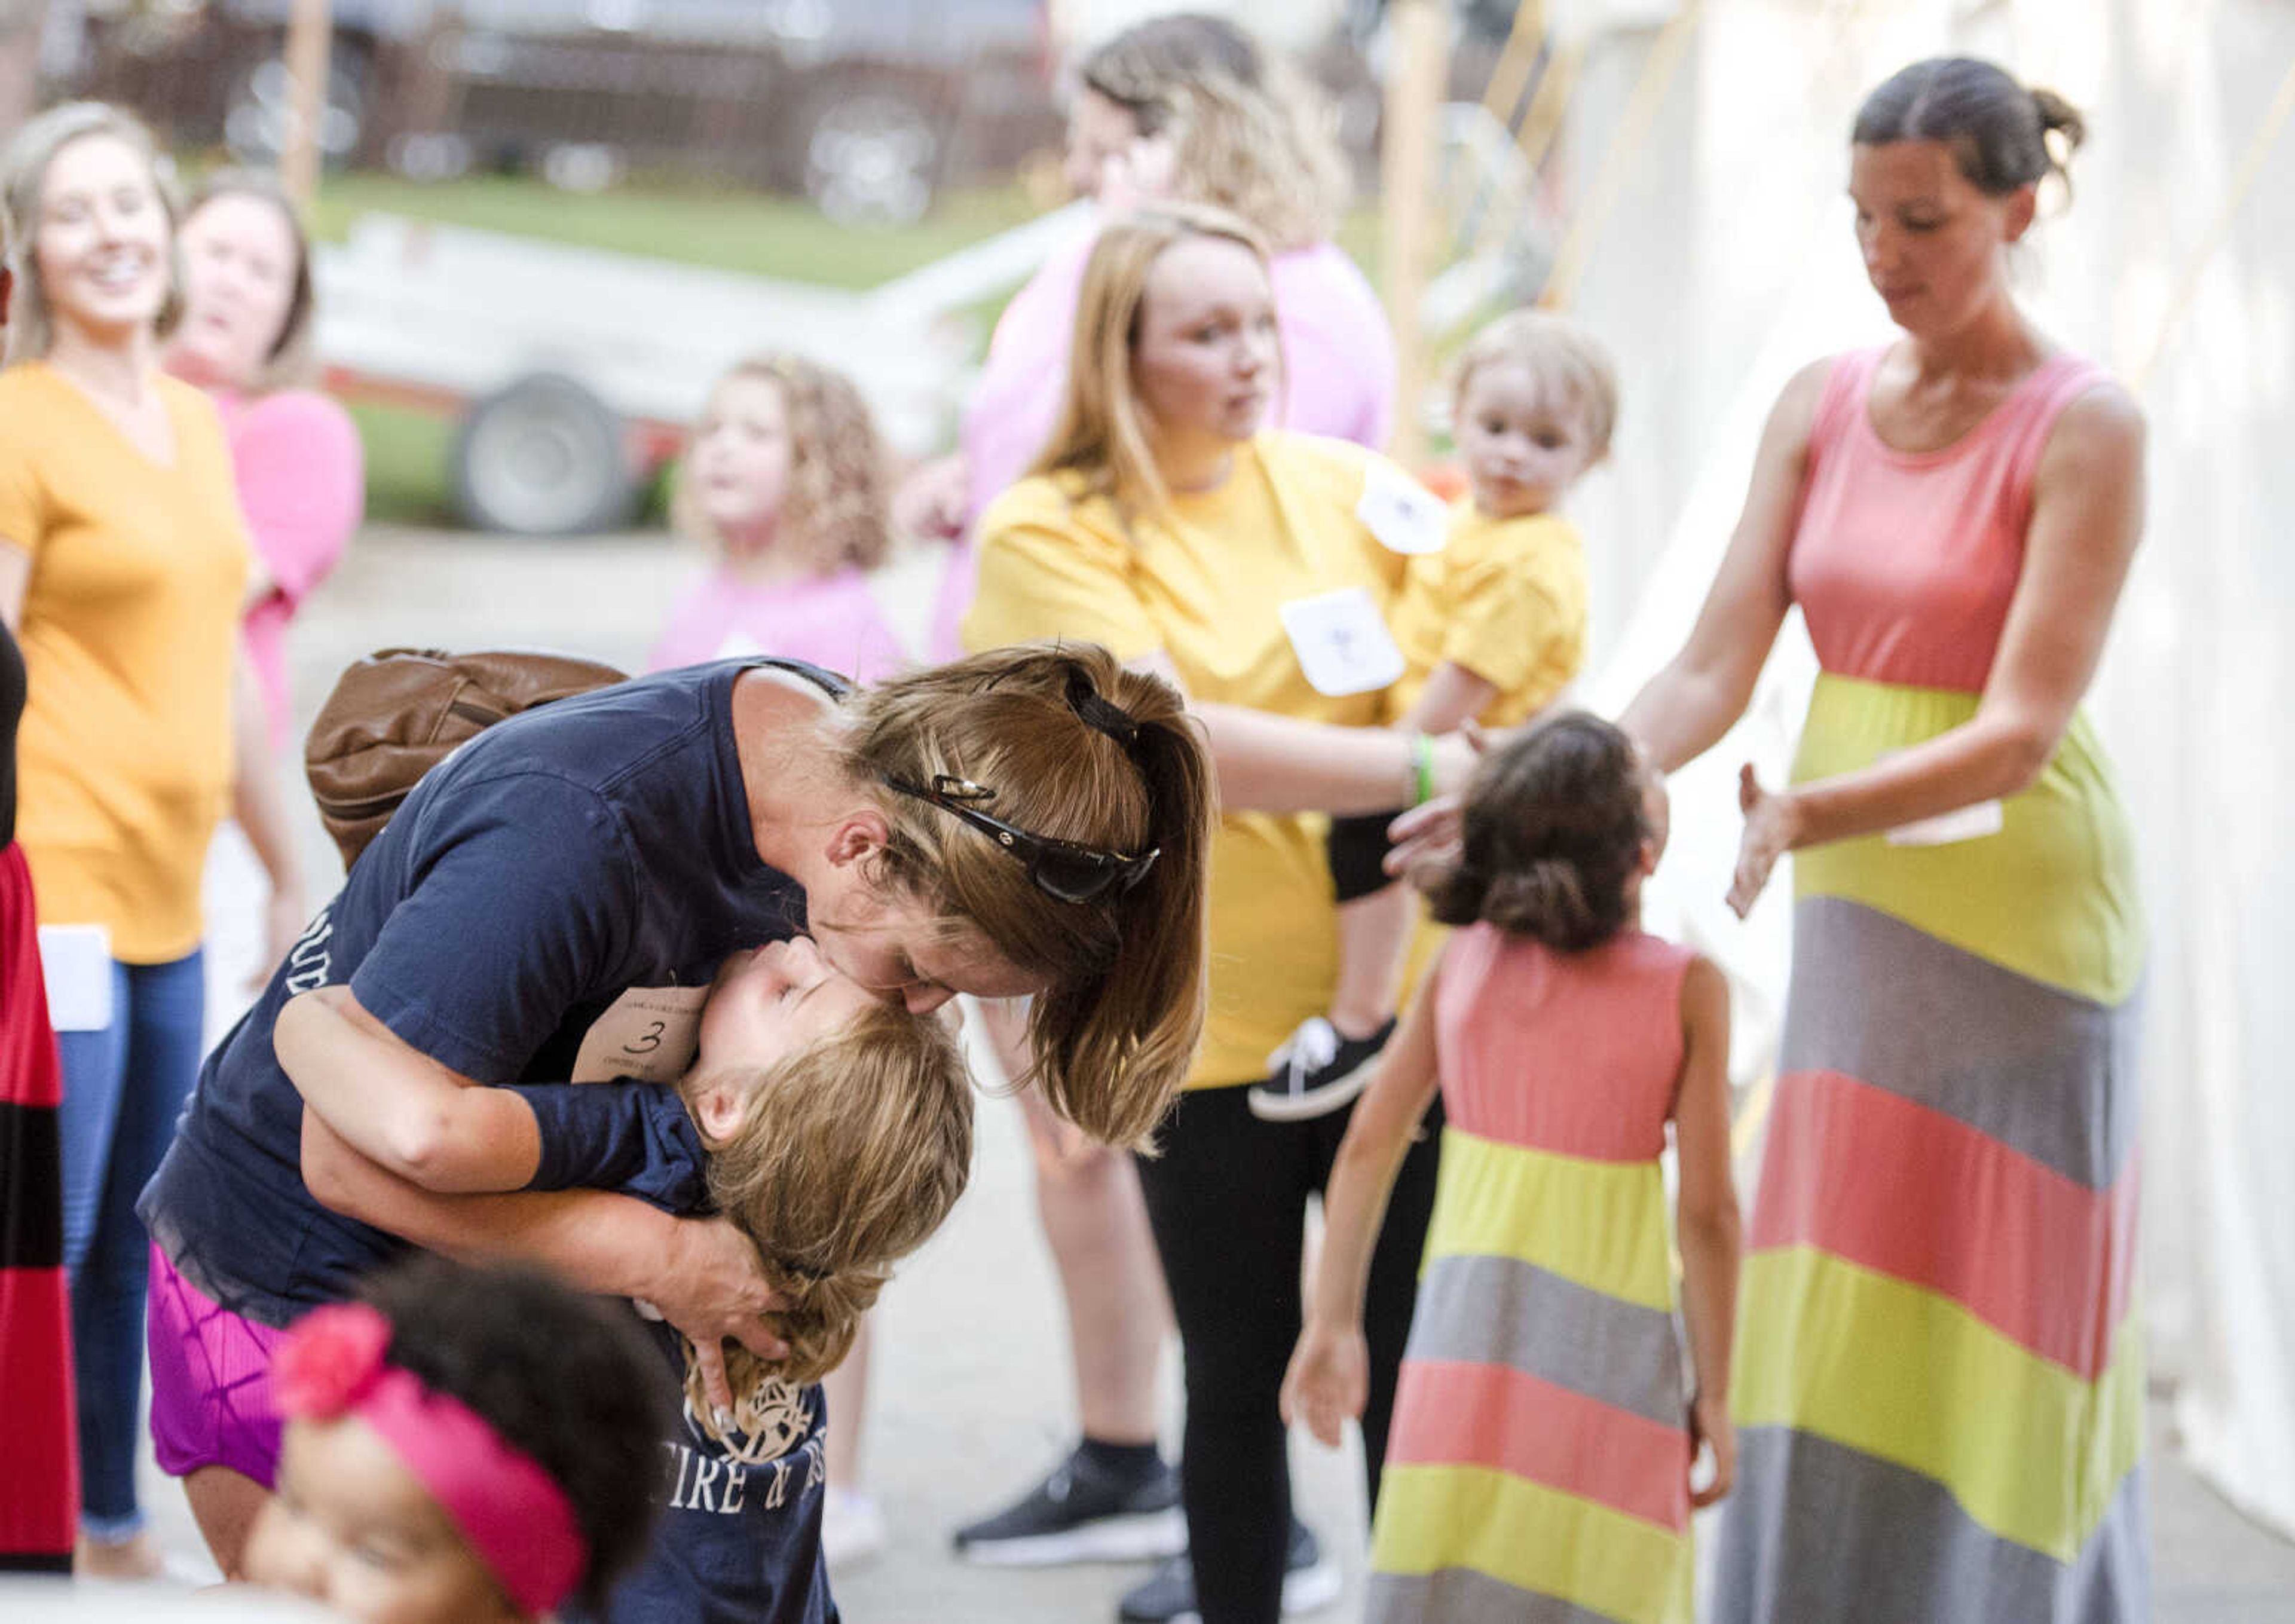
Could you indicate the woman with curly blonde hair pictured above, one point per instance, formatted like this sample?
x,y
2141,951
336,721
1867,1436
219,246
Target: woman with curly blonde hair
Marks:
x,y
785,476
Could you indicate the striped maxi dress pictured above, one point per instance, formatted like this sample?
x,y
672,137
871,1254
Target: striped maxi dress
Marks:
x,y
1939,1364
1536,1470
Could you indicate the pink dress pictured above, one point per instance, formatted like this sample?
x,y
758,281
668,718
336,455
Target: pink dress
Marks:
x,y
833,621
1940,1387
1338,359
1538,1466
302,484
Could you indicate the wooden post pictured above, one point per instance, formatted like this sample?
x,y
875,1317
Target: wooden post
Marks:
x,y
1414,99
309,30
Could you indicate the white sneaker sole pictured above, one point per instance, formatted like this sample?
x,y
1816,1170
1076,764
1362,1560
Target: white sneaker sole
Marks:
x,y
1147,1537
1270,1106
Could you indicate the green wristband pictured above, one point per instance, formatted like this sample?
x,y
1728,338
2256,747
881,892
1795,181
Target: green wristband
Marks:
x,y
1422,758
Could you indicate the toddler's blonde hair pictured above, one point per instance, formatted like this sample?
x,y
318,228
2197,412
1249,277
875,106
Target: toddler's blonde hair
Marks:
x,y
1560,354
849,1154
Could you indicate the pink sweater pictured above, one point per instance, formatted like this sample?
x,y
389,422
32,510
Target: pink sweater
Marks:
x,y
302,484
1338,358
832,621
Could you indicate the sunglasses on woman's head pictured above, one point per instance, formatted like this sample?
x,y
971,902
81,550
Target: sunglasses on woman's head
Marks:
x,y
1059,868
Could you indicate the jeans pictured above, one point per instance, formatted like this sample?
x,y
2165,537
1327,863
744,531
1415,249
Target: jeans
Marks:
x,y
124,1087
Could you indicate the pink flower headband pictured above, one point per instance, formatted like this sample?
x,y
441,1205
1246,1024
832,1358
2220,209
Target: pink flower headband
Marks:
x,y
513,1512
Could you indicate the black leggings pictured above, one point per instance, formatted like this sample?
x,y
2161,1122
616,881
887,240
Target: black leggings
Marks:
x,y
1228,1201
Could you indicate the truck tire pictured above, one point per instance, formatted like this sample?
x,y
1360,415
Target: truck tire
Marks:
x,y
543,456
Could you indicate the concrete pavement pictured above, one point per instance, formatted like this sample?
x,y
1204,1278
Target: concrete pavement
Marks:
x,y
971,1400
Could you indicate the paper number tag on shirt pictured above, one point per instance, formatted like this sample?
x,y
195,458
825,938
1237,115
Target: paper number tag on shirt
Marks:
x,y
1341,641
650,1033
1403,514
76,962
1947,828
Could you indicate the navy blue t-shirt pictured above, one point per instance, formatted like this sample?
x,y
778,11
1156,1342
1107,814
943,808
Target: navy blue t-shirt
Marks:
x,y
740,1537
558,859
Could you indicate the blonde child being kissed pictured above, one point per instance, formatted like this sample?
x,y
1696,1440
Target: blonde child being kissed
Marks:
x,y
1492,629
785,477
1542,1448
833,1128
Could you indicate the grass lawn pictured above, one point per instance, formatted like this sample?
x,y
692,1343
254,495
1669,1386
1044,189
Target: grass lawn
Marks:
x,y
728,229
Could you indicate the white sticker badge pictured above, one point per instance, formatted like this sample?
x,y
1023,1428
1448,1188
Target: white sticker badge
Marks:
x,y
76,962
1949,829
1403,514
1341,641
650,1033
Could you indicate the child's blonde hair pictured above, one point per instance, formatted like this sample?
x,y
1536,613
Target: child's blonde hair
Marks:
x,y
835,514
849,1154
1560,354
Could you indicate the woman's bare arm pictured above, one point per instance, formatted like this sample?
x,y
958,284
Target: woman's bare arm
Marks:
x,y
1685,709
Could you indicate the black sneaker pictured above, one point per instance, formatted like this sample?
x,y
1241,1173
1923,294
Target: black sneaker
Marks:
x,y
1311,1583
1317,1071
1082,1512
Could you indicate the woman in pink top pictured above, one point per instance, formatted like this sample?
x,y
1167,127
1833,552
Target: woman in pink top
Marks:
x,y
245,338
786,476
1940,1378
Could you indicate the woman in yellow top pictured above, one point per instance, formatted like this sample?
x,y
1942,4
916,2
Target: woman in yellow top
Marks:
x,y
1255,569
123,563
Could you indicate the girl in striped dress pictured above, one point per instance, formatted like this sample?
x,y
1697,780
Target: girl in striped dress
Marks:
x,y
1541,1460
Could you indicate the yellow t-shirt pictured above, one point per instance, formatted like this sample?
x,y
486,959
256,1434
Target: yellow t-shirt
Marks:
x,y
1506,598
130,628
1204,584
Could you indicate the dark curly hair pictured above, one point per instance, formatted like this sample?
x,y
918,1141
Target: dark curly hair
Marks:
x,y
565,1378
1551,836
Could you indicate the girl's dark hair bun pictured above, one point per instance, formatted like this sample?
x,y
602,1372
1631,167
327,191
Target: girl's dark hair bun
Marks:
x,y
1551,837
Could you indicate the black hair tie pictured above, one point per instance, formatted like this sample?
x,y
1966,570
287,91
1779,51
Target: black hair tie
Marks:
x,y
1099,712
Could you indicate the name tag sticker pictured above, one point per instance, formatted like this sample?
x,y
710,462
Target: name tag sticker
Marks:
x,y
1947,829
76,960
650,1033
1341,641
1403,514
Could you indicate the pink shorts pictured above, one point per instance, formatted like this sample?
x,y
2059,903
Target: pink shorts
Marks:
x,y
210,1381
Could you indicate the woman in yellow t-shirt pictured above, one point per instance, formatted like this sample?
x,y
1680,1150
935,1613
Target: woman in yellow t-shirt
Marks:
x,y
123,563
1256,568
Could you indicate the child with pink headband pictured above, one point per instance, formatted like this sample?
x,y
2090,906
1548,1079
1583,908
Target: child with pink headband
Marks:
x,y
463,1446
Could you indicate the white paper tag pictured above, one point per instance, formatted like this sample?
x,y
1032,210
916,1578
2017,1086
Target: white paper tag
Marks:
x,y
1341,641
1403,514
1966,823
650,1033
76,960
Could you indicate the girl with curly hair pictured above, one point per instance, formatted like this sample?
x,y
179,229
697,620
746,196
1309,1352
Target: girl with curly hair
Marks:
x,y
785,476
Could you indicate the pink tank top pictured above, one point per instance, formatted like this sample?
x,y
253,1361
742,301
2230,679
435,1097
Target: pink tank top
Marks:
x,y
1573,1053
1904,562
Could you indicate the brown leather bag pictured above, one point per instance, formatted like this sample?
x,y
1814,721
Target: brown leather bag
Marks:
x,y
398,712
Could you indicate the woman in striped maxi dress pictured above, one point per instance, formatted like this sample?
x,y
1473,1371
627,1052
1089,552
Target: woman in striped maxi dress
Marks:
x,y
1539,1465
1939,1377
